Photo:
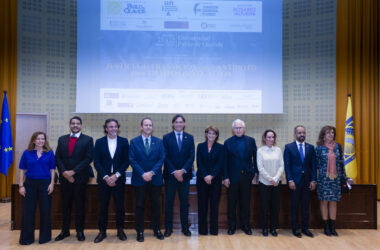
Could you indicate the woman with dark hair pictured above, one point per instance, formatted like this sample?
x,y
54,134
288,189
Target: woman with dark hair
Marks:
x,y
270,164
209,180
329,157
37,164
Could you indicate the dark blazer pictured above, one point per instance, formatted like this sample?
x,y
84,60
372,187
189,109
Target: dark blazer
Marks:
x,y
235,164
294,166
79,160
141,162
176,159
103,160
210,163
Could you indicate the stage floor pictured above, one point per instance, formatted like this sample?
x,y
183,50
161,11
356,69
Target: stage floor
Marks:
x,y
348,239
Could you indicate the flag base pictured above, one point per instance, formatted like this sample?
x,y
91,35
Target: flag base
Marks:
x,y
5,200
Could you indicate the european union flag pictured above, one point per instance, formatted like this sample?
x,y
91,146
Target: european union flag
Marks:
x,y
6,146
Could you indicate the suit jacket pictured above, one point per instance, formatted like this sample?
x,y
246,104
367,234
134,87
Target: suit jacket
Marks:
x,y
142,162
210,163
235,163
79,160
294,166
103,160
176,159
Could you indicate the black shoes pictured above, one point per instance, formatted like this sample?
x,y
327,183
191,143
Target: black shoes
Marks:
x,y
168,232
296,233
100,237
307,233
121,235
231,230
273,232
332,228
326,228
158,234
80,236
140,236
62,235
186,232
265,232
247,230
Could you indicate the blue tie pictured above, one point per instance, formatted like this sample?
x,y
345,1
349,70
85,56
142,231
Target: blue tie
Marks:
x,y
179,141
301,153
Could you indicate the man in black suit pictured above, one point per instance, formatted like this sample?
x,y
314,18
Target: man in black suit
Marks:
x,y
73,157
240,171
301,173
111,159
180,151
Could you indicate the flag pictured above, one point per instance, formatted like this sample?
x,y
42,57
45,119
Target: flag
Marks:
x,y
349,143
6,146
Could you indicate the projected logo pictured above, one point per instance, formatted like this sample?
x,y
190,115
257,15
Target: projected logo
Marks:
x,y
114,8
205,9
169,7
134,8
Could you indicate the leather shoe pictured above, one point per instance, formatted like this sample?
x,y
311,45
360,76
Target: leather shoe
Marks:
x,y
265,232
231,230
186,232
101,236
121,235
62,235
80,236
247,230
168,232
273,232
140,237
297,233
307,233
158,234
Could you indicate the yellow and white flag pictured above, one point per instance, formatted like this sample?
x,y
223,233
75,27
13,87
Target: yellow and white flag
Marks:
x,y
349,144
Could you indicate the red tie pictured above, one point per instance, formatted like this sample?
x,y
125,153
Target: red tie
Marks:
x,y
72,141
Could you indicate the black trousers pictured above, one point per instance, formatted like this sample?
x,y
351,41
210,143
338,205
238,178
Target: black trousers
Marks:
x,y
208,194
36,191
171,187
73,192
300,196
239,192
117,193
141,192
269,202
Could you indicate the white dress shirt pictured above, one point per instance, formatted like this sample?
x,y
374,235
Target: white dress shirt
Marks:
x,y
270,164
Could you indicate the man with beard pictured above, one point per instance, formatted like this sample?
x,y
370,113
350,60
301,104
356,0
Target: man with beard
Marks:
x,y
73,157
301,172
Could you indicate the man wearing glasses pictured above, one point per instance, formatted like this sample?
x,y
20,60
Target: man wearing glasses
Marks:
x,y
240,171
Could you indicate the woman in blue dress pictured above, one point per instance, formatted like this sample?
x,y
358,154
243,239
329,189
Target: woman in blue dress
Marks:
x,y
37,166
329,156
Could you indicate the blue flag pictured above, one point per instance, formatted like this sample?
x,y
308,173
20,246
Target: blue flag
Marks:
x,y
6,146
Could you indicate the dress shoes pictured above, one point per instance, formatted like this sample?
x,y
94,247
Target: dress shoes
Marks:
x,y
307,233
121,235
247,230
158,234
297,233
186,232
140,236
168,232
265,232
231,230
100,237
80,236
273,232
62,235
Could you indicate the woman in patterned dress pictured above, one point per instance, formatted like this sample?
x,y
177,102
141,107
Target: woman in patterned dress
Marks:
x,y
330,168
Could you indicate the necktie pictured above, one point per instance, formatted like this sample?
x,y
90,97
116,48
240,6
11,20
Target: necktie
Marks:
x,y
179,142
301,153
147,146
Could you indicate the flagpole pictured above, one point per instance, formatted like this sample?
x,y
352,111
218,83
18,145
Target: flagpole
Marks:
x,y
6,199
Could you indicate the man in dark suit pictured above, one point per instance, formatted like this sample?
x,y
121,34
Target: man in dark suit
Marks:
x,y
73,157
147,156
111,159
301,172
240,171
180,151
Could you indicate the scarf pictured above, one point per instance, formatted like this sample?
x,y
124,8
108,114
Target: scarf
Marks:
x,y
331,162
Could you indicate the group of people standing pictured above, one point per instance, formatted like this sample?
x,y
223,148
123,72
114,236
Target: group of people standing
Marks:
x,y
237,164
